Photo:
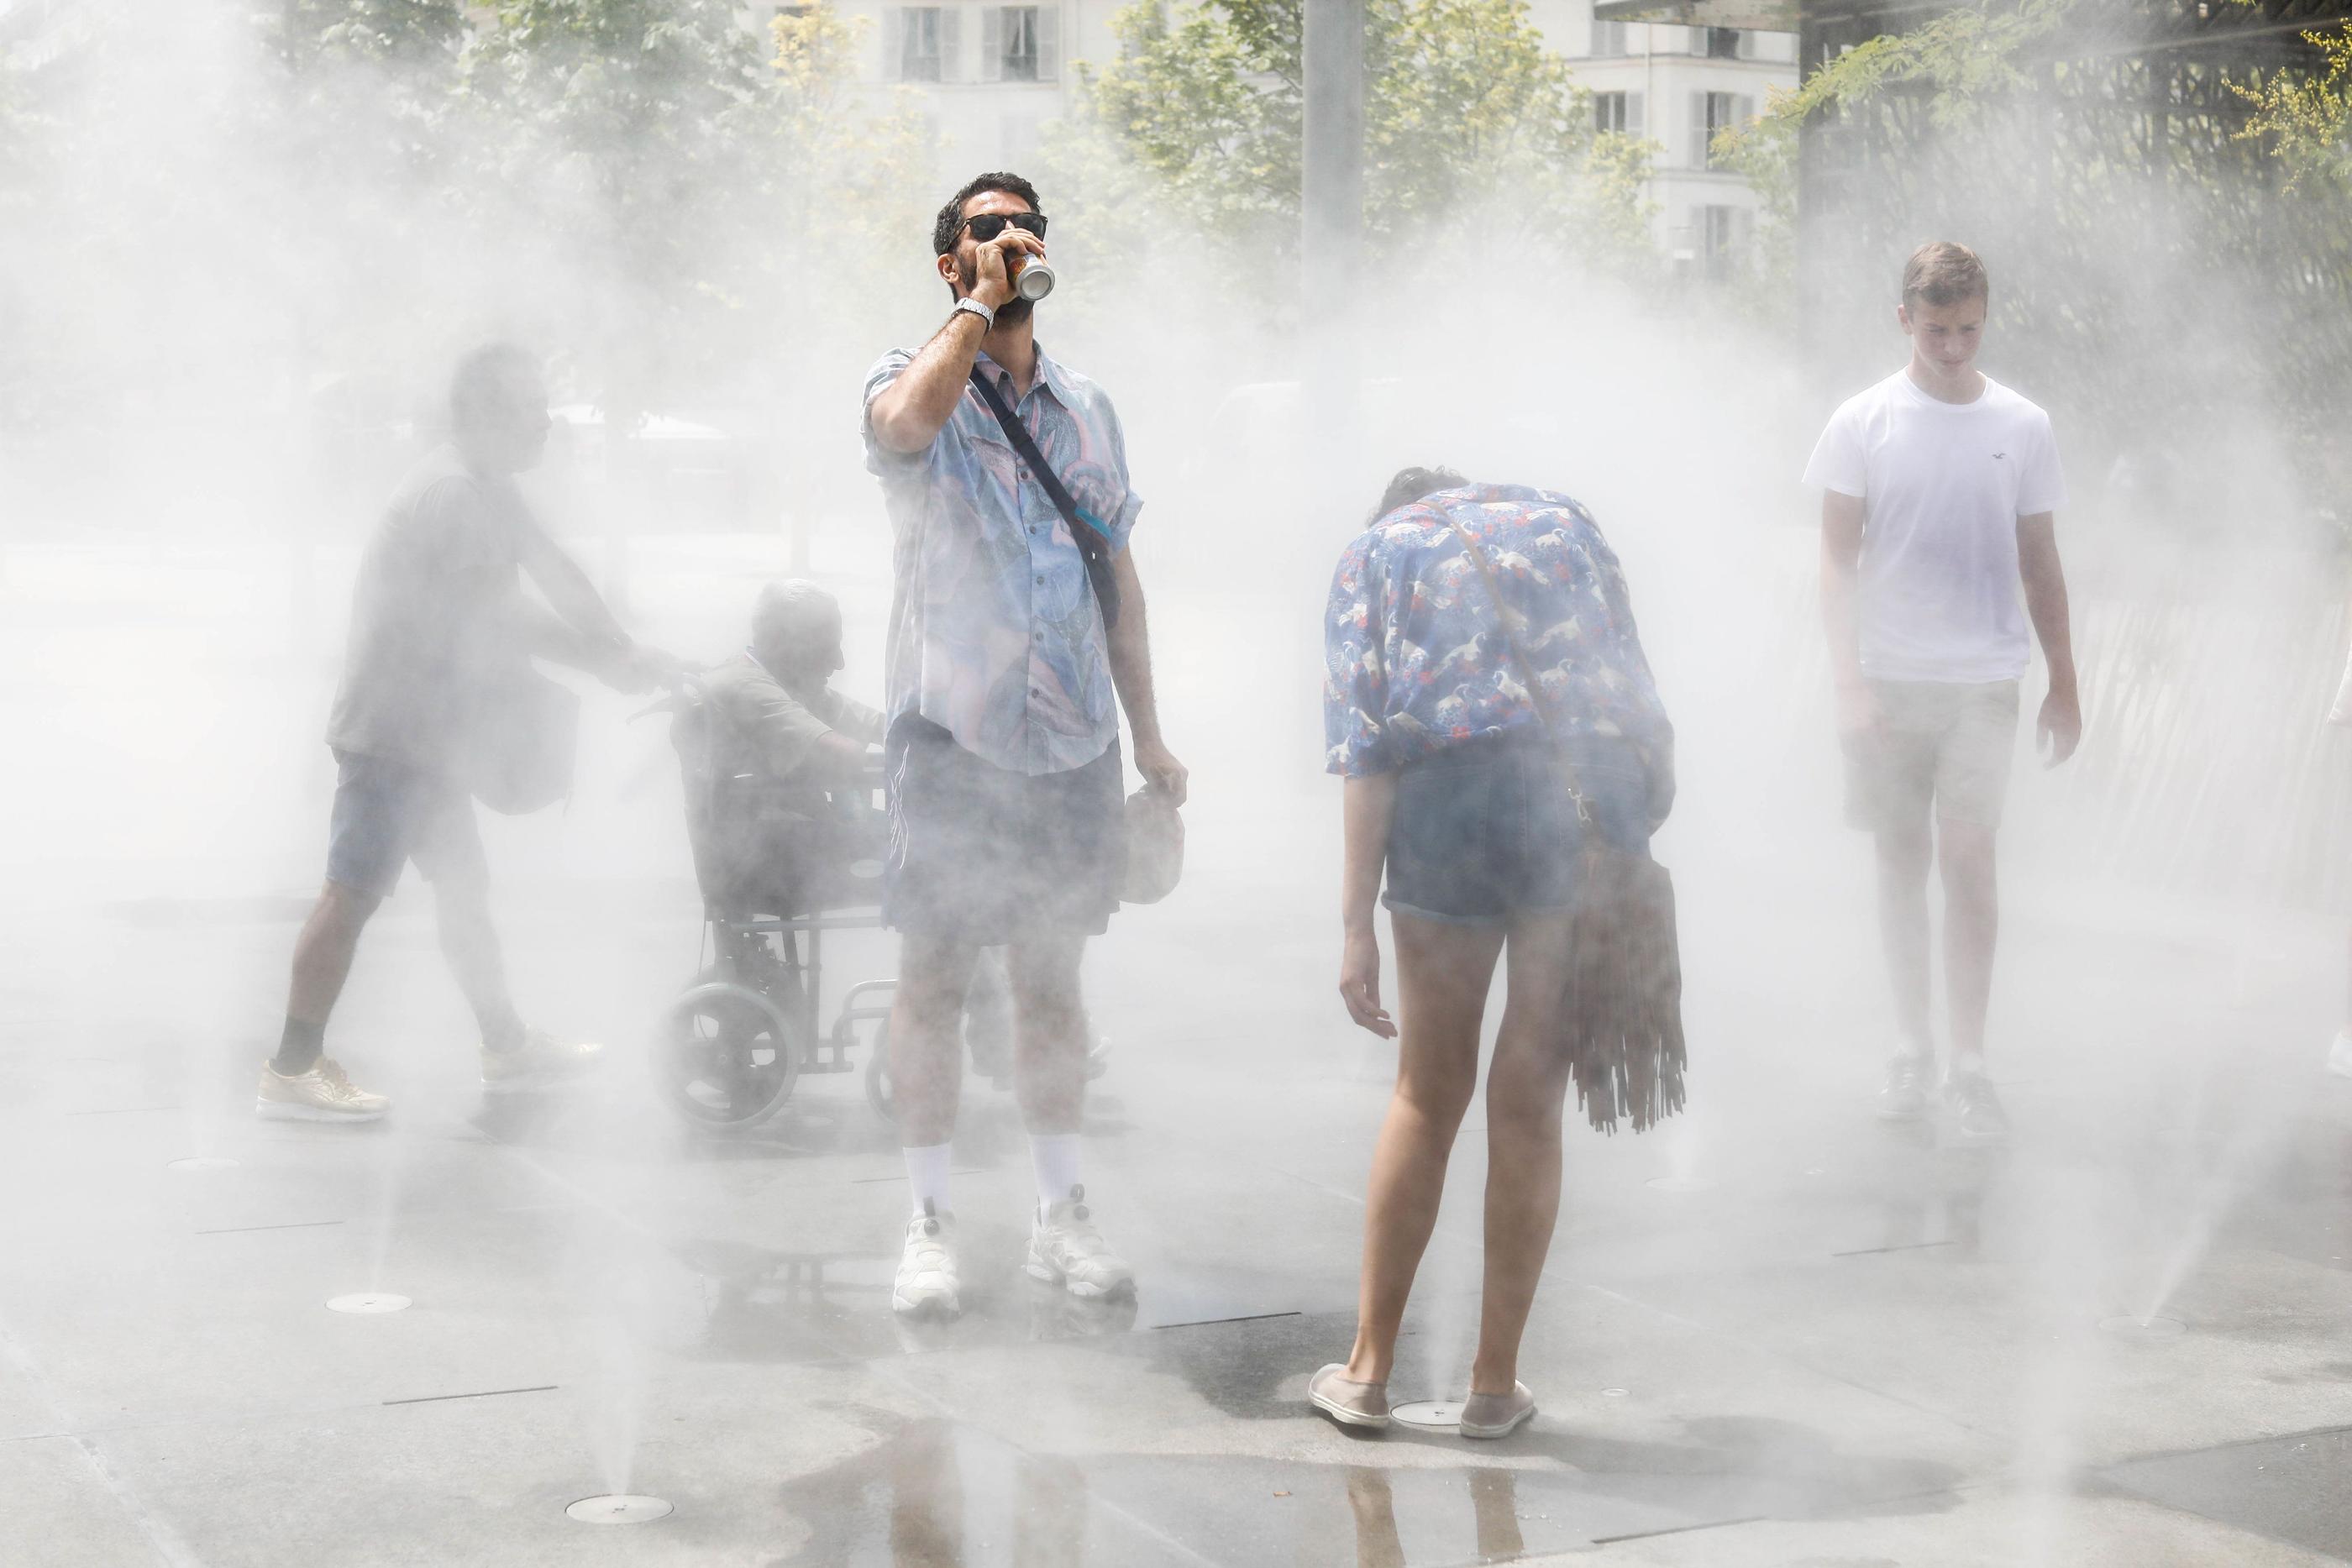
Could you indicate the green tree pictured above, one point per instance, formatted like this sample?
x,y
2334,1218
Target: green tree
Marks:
x,y
1467,116
2156,268
2305,118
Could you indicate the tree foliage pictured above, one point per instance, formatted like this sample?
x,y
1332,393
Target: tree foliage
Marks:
x,y
2305,118
2108,191
1467,117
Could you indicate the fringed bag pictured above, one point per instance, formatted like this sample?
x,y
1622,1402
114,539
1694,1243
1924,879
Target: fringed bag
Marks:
x,y
1623,1001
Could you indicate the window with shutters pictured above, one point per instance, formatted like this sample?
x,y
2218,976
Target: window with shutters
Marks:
x,y
1726,44
1017,52
1723,233
1619,112
1711,113
1021,43
922,29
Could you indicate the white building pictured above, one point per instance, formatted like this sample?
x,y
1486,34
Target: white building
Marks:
x,y
992,76
1677,86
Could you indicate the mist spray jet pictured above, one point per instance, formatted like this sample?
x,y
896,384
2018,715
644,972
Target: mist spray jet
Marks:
x,y
2129,1327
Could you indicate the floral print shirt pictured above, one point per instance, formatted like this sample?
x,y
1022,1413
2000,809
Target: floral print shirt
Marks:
x,y
994,632
1415,657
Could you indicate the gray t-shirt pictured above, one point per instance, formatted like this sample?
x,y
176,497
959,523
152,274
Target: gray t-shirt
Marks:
x,y
768,730
435,615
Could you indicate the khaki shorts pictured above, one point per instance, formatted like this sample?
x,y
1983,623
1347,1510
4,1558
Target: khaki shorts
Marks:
x,y
1942,749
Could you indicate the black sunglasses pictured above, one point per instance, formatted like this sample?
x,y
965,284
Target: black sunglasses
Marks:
x,y
986,226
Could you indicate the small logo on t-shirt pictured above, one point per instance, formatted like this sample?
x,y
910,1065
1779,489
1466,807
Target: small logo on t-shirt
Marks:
x,y
1999,455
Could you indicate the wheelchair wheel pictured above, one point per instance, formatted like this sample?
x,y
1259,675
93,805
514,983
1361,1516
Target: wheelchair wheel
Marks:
x,y
730,1055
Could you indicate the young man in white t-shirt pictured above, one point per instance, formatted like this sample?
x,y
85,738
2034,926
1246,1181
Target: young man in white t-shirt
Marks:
x,y
1941,488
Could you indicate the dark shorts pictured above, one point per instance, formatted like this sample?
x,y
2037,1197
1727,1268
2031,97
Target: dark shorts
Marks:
x,y
984,855
387,814
1487,830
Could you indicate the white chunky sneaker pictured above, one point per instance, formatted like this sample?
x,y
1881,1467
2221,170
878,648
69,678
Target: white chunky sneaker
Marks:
x,y
926,1285
541,1062
1066,1250
2339,1055
1905,1098
321,1095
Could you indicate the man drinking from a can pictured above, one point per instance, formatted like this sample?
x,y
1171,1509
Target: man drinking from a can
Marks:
x,y
1017,633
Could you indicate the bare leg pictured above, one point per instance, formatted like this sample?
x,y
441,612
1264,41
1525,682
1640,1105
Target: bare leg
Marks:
x,y
1442,973
925,1038
1526,1086
1049,1062
2347,981
1971,923
461,907
1902,856
322,953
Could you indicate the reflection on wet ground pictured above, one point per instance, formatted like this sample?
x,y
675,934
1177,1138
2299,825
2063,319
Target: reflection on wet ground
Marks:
x,y
933,1493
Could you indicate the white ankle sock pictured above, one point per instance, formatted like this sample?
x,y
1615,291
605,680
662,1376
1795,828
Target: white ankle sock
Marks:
x,y
1967,1064
1055,1156
927,1175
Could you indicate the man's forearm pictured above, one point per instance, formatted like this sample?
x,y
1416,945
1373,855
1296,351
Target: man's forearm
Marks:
x,y
2045,599
909,414
1842,623
551,636
1370,806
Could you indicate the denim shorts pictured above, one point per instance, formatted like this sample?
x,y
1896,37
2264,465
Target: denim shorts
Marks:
x,y
1488,829
984,855
388,813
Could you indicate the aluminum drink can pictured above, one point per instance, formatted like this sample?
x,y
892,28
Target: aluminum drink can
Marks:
x,y
1036,279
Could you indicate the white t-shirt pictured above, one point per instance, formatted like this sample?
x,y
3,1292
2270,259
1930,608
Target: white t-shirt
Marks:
x,y
1943,486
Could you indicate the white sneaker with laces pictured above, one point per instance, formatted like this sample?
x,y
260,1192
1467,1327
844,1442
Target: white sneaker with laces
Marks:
x,y
1904,1097
2339,1055
321,1095
926,1284
538,1062
1066,1250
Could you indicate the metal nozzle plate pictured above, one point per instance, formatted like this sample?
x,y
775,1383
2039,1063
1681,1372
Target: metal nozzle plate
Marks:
x,y
619,1507
1428,1414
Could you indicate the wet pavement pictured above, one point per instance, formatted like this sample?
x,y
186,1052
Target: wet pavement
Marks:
x,y
1773,1332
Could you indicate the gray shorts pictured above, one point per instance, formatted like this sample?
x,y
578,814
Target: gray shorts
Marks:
x,y
387,814
1941,752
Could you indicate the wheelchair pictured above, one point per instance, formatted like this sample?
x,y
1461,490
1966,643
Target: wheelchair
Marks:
x,y
733,1045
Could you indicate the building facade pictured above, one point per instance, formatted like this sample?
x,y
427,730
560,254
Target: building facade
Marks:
x,y
990,77
1678,87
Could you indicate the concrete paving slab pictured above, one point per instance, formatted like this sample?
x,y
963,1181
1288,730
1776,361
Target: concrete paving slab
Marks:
x,y
2296,1488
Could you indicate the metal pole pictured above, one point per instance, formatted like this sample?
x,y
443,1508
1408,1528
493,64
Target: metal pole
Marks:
x,y
1331,247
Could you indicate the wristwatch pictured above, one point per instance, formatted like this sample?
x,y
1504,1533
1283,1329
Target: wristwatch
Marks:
x,y
987,316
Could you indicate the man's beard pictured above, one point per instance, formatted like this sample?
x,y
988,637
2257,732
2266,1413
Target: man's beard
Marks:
x,y
1014,311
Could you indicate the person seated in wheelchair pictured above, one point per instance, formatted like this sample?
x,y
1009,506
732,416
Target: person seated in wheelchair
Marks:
x,y
779,774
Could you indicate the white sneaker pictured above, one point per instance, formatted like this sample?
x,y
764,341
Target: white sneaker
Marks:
x,y
1904,1097
541,1062
321,1095
2339,1055
927,1270
1066,1250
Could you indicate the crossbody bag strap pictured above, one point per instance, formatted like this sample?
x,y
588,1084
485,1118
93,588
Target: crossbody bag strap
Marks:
x,y
1525,667
1093,539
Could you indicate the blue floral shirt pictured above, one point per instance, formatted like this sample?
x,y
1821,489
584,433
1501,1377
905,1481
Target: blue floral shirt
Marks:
x,y
994,632
1414,656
